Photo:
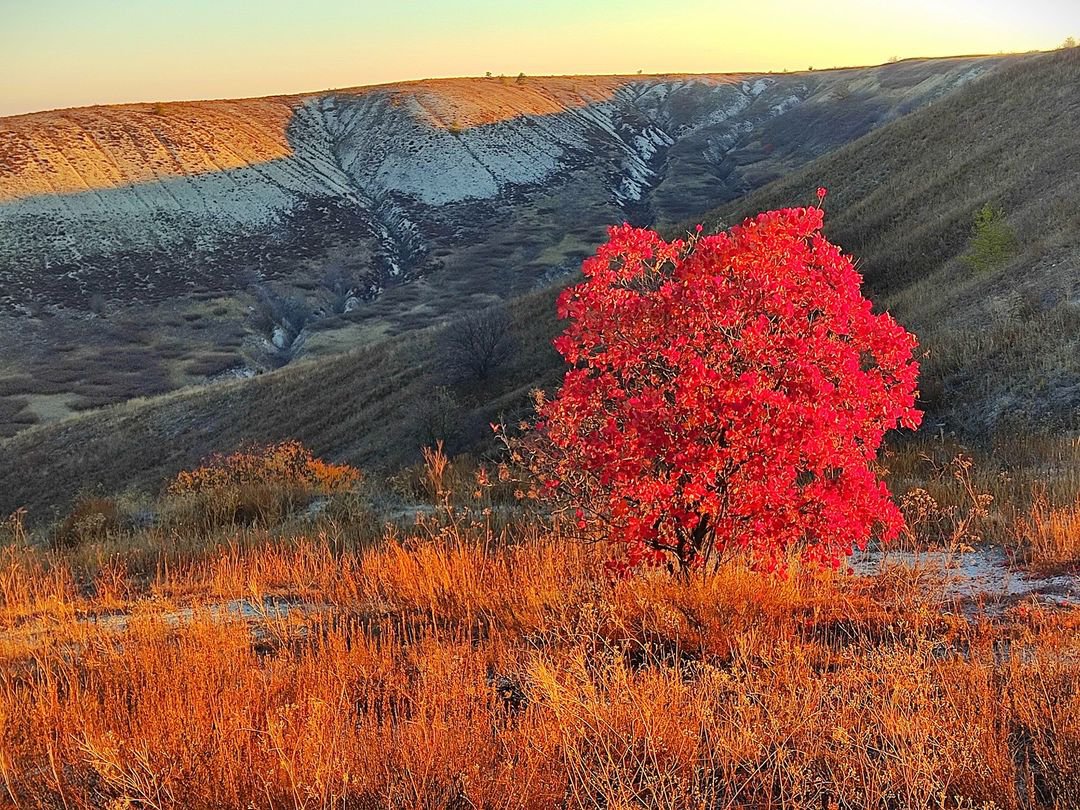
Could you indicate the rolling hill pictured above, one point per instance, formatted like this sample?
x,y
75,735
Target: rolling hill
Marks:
x,y
1003,343
902,198
148,247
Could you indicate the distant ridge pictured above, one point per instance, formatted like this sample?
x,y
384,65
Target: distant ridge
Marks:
x,y
108,200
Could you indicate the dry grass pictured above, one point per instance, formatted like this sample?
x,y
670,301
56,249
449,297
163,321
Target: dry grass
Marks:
x,y
1019,494
1051,535
469,662
91,518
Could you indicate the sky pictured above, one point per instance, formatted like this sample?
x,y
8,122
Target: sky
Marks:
x,y
64,53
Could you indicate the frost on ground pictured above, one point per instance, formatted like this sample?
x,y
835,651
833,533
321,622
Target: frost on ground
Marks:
x,y
982,576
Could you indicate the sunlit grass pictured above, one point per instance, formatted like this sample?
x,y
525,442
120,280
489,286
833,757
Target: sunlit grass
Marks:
x,y
456,660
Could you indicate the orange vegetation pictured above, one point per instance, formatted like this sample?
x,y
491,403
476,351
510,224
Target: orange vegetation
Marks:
x,y
287,463
460,665
258,486
477,658
1052,535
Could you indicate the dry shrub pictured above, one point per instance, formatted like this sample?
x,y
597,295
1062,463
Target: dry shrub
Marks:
x,y
949,510
256,485
91,520
476,346
1049,536
13,529
461,479
286,463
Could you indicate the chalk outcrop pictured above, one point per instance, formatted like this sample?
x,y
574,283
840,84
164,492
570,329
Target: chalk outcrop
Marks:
x,y
144,202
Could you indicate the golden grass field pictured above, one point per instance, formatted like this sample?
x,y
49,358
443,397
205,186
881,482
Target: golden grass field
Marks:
x,y
468,654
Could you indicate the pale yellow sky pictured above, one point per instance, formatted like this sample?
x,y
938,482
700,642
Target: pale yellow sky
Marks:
x,y
56,53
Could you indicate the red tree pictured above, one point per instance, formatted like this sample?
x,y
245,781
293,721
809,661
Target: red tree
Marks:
x,y
727,391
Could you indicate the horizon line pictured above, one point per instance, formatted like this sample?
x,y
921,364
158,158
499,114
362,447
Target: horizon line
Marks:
x,y
402,82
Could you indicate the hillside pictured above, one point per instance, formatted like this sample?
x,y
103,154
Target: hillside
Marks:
x,y
135,240
902,199
1003,344
100,194
374,407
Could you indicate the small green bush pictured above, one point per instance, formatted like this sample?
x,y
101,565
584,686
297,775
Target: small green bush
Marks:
x,y
993,241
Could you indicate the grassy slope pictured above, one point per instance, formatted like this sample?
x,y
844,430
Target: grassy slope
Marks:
x,y
1002,344
902,199
365,407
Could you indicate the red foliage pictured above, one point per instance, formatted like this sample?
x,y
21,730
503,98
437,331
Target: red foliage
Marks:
x,y
727,391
